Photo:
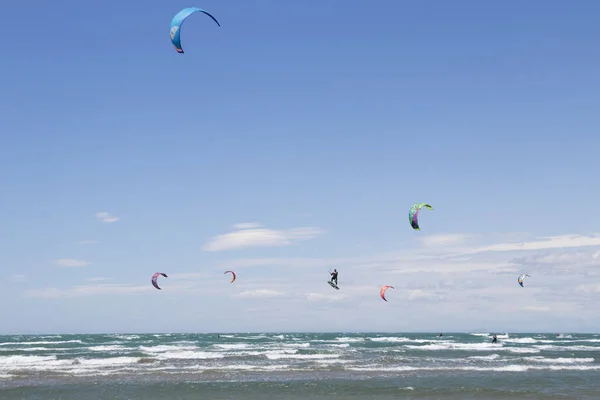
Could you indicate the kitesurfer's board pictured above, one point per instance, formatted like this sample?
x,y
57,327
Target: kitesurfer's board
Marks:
x,y
333,285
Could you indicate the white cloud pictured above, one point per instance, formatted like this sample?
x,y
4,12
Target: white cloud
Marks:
x,y
67,262
173,287
588,288
106,217
443,240
537,308
253,235
261,293
17,277
87,290
421,294
320,297
552,242
97,279
191,276
247,225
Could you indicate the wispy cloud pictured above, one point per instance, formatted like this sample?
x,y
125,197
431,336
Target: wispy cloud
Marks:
x,y
552,242
422,294
106,217
588,288
261,293
254,235
87,242
87,290
320,297
443,240
17,277
68,262
97,279
537,308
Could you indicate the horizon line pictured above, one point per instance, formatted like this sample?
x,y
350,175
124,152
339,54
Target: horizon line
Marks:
x,y
303,332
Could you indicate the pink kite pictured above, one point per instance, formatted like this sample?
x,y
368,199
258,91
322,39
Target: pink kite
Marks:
x,y
382,291
155,278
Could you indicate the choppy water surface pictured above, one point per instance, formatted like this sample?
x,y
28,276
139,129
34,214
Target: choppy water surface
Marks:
x,y
300,366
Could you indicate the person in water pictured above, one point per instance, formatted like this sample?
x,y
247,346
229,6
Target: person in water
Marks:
x,y
334,276
494,339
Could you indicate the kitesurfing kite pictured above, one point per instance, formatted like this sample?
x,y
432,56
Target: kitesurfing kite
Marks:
x,y
177,21
232,273
521,278
413,214
155,279
383,290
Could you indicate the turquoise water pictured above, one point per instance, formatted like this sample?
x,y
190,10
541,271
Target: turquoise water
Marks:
x,y
300,366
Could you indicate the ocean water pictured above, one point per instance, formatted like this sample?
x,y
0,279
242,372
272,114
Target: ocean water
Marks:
x,y
300,366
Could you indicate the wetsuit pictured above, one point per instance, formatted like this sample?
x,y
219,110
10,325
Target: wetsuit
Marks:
x,y
334,277
494,339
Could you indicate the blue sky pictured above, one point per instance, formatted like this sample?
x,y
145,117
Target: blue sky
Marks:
x,y
320,123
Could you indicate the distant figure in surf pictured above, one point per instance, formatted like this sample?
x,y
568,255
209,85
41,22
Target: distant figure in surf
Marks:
x,y
441,334
494,339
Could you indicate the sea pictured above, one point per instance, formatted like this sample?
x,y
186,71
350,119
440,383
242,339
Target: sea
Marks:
x,y
290,366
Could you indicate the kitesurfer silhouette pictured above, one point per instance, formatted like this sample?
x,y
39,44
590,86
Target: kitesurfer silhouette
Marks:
x,y
334,276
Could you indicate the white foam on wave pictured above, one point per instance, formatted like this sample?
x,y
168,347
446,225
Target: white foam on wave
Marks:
x,y
234,346
294,345
107,362
257,353
39,342
559,360
549,347
349,339
189,355
455,346
301,356
490,357
128,337
521,350
255,337
32,349
505,368
166,348
394,339
440,346
108,348
229,367
9,362
51,363
526,340
170,352
332,361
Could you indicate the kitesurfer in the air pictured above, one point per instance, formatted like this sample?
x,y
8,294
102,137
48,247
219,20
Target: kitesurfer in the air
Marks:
x,y
494,339
334,276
